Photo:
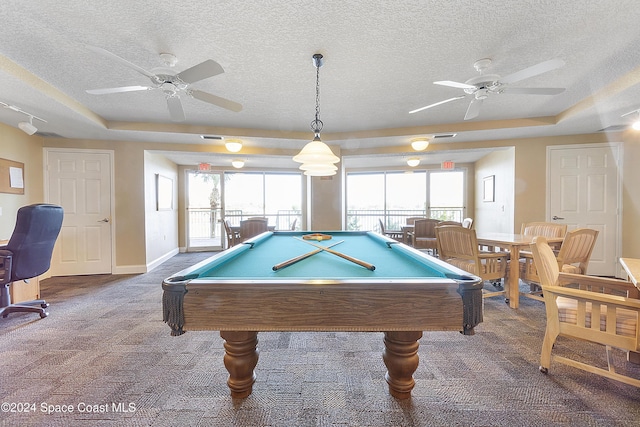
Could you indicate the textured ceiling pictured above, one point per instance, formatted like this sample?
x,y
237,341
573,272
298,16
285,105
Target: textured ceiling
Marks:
x,y
381,59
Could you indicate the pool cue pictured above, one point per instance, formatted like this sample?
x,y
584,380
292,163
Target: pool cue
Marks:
x,y
288,262
341,255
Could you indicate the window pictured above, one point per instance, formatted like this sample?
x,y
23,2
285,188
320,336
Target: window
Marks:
x,y
446,195
393,196
277,196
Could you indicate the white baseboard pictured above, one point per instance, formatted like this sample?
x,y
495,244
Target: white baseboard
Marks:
x,y
153,264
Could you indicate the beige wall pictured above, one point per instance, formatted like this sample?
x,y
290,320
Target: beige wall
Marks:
x,y
161,226
631,196
496,215
17,146
131,192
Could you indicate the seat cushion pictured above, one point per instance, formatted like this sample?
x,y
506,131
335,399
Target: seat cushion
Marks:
x,y
626,320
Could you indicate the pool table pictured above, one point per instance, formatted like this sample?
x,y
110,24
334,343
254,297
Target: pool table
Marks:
x,y
238,293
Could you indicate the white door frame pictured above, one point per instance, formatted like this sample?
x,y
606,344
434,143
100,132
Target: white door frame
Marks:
x,y
616,147
110,153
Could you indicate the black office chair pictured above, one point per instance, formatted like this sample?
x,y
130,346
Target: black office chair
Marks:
x,y
28,253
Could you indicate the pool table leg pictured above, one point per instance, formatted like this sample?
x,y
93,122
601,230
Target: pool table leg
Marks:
x,y
240,359
400,355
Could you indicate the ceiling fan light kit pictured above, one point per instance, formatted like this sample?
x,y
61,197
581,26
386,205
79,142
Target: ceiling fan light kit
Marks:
x,y
485,85
170,83
316,157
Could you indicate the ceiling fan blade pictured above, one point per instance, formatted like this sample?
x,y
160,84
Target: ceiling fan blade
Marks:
x,y
121,60
117,90
454,84
474,109
215,100
534,90
204,70
175,109
436,104
534,70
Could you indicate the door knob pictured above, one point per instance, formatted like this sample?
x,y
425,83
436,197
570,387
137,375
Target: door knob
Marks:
x,y
104,220
555,218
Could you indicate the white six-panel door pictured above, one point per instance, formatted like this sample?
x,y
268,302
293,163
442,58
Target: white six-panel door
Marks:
x,y
583,190
80,182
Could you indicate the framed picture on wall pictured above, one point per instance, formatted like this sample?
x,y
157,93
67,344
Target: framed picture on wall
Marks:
x,y
164,193
489,188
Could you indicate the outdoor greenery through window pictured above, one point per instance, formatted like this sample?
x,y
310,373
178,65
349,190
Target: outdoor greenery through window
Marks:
x,y
393,196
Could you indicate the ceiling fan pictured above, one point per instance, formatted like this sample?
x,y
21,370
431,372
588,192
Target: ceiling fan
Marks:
x,y
172,83
480,87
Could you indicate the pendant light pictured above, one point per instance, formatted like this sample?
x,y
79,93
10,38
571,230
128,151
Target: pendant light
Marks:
x,y
316,157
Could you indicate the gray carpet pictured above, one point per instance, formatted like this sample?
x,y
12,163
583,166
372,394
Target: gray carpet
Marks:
x,y
105,348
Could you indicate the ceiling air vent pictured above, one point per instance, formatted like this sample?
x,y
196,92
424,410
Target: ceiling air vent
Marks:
x,y
614,128
214,137
48,134
445,135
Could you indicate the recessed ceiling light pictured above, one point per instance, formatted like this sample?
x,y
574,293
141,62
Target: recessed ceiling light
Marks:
x,y
233,145
413,162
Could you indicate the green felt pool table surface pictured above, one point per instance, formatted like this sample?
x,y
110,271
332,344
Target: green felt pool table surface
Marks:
x,y
257,257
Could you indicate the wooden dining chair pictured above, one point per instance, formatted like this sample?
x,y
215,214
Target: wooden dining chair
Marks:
x,y
458,246
538,228
392,234
586,308
232,237
573,257
252,227
424,235
412,219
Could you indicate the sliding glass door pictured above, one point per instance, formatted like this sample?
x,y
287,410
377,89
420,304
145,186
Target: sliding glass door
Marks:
x,y
204,211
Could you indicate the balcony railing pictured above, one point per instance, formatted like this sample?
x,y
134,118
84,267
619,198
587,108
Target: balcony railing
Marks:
x,y
394,219
205,223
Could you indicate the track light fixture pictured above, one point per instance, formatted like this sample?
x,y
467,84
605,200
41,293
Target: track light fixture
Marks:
x,y
26,127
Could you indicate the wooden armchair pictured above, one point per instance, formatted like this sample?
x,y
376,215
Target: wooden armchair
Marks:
x,y
424,234
392,234
458,246
573,257
573,300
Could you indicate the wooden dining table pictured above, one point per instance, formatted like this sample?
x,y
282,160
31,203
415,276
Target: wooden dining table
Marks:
x,y
512,243
632,267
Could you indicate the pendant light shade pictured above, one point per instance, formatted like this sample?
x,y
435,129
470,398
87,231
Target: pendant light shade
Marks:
x,y
316,152
316,157
319,169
